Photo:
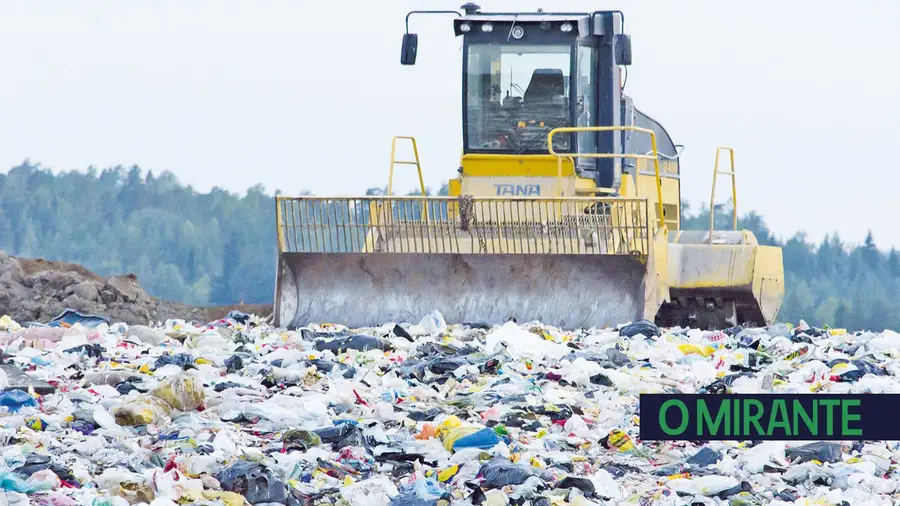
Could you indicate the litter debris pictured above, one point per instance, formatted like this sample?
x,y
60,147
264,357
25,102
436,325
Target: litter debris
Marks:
x,y
235,412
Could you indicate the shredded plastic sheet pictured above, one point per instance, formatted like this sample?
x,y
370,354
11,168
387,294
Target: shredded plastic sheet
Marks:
x,y
235,411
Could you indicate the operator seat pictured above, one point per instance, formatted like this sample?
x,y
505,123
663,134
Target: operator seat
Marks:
x,y
545,86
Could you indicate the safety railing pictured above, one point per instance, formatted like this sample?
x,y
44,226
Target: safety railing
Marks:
x,y
712,198
654,155
394,161
575,225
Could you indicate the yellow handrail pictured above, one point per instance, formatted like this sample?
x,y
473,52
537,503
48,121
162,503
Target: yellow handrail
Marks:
x,y
712,198
415,162
279,222
654,156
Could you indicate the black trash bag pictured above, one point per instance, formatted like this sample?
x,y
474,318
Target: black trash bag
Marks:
x,y
33,463
645,327
619,470
602,380
253,481
183,360
238,316
721,385
823,451
515,419
491,366
863,367
478,497
413,368
705,457
737,489
424,416
233,364
401,332
810,332
322,364
801,337
851,376
585,485
225,385
869,368
562,412
91,350
668,470
447,365
733,331
299,438
435,349
500,472
125,387
339,345
341,435
37,462
617,357
568,467
787,495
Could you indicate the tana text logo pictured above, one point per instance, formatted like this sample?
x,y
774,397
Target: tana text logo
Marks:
x,y
517,190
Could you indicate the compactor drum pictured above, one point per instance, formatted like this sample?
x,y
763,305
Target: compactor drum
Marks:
x,y
566,208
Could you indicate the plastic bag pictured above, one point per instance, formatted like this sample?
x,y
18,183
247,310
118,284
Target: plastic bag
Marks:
x,y
341,344
483,439
14,400
181,392
144,410
822,451
500,472
256,483
146,334
705,457
643,327
709,485
376,491
227,498
433,323
14,483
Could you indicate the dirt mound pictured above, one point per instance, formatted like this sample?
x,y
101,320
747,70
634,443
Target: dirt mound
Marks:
x,y
39,290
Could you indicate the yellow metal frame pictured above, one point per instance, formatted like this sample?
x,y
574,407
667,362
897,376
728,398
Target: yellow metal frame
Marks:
x,y
654,156
712,198
501,224
416,162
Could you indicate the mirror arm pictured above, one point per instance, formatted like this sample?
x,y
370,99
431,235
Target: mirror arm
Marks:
x,y
410,13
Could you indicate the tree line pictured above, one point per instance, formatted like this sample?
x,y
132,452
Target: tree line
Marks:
x,y
220,247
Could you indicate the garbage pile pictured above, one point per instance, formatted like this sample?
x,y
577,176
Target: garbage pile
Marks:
x,y
39,290
235,412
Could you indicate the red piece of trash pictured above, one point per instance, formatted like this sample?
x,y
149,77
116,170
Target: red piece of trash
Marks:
x,y
359,399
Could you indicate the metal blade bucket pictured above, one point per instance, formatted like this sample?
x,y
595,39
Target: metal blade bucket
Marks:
x,y
366,289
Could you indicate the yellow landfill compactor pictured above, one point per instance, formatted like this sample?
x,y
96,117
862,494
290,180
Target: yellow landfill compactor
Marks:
x,y
566,208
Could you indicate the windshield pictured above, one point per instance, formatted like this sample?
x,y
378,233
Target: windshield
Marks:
x,y
515,95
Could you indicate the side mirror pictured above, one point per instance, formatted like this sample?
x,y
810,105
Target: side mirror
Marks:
x,y
623,49
408,50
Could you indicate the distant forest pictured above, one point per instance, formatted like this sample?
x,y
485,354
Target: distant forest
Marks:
x,y
220,248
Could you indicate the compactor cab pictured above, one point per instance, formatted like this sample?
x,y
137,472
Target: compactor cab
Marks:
x,y
566,208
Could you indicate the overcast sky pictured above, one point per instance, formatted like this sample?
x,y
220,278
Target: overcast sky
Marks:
x,y
306,95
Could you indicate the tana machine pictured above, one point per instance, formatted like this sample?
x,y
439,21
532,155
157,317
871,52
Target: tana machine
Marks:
x,y
566,208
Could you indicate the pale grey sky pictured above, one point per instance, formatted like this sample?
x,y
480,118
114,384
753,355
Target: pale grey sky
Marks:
x,y
302,94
